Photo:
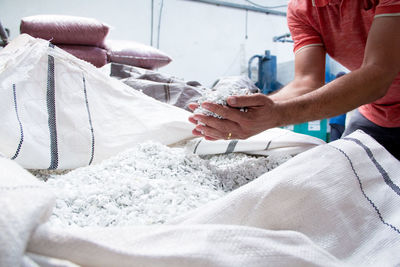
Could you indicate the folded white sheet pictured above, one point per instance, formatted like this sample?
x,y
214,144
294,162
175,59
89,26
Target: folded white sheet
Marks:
x,y
276,141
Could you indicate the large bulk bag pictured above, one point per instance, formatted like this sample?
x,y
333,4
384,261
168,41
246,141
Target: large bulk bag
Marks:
x,y
59,112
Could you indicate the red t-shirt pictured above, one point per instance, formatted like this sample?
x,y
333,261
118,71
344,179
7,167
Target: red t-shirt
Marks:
x,y
341,27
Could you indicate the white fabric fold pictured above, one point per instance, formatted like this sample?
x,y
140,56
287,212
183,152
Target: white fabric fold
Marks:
x,y
25,203
180,245
274,141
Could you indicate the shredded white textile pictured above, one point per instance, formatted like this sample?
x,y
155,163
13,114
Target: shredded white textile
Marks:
x,y
148,184
219,97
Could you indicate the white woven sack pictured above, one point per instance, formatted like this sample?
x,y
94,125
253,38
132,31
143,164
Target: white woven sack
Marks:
x,y
335,205
343,196
59,112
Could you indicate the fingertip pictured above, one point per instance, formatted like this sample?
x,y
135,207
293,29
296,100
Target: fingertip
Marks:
x,y
193,106
192,120
232,100
206,105
197,133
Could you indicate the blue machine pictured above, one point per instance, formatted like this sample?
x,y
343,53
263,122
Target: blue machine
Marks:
x,y
267,79
267,76
329,76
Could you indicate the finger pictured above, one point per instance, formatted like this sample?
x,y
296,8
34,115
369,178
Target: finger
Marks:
x,y
222,125
212,133
193,120
193,106
225,112
196,132
208,132
247,100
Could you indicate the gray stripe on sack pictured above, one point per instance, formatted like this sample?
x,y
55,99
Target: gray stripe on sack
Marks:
x,y
195,148
90,119
268,145
167,93
21,140
364,194
51,110
384,174
231,146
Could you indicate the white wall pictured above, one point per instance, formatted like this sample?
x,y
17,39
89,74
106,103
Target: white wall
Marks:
x,y
205,41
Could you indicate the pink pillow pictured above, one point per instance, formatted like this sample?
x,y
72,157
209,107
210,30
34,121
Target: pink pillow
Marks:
x,y
92,54
61,29
136,54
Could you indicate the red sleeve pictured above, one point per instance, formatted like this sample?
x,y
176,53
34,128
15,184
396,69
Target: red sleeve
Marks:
x,y
303,34
388,8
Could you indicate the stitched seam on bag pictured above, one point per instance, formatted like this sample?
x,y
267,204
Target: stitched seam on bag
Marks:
x,y
384,174
141,58
51,110
363,192
20,124
90,119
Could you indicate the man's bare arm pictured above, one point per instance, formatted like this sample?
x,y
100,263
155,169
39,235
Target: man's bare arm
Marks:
x,y
309,74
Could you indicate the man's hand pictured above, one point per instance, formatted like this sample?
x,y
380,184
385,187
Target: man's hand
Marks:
x,y
261,114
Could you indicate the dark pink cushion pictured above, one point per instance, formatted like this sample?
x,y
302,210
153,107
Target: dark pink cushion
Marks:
x,y
60,29
92,54
136,54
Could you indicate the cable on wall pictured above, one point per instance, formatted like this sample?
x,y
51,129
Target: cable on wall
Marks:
x,y
269,7
152,22
159,23
247,21
252,8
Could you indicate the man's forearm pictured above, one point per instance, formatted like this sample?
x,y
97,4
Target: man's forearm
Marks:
x,y
337,97
294,89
